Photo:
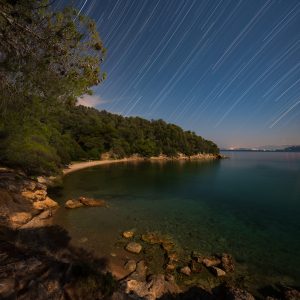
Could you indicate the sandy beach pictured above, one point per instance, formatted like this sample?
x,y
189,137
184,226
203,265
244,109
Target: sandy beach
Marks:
x,y
87,164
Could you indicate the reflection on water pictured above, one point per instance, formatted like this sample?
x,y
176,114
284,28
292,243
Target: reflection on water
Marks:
x,y
248,205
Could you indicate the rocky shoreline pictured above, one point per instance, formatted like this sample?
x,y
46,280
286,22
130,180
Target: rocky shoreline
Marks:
x,y
38,260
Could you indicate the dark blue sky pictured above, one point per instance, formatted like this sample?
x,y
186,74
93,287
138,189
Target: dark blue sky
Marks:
x,y
228,70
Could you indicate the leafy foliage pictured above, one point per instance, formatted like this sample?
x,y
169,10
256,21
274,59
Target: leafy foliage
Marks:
x,y
54,56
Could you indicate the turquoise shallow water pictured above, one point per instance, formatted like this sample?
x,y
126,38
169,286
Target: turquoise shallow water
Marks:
x,y
248,205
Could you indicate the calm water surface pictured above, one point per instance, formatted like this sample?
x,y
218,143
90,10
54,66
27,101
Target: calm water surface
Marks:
x,y
248,205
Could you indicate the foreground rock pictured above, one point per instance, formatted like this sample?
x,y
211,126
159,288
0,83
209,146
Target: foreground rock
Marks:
x,y
153,288
21,198
134,247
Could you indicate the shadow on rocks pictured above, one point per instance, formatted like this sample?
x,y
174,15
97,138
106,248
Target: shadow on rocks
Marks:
x,y
40,263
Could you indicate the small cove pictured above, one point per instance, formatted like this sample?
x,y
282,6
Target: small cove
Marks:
x,y
248,205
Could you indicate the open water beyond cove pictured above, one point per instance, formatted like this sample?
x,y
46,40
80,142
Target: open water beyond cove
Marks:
x,y
248,206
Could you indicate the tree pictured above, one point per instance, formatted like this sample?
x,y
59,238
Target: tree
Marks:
x,y
54,56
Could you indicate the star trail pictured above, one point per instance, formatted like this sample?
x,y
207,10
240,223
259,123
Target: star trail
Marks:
x,y
228,70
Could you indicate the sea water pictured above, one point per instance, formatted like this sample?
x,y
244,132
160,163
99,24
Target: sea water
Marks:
x,y
247,205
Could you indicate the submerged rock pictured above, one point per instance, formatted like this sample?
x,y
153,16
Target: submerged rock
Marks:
x,y
130,265
92,202
128,234
211,261
151,238
218,272
73,204
186,271
134,247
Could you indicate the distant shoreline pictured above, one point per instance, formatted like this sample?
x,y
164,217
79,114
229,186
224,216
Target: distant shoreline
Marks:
x,y
248,150
76,166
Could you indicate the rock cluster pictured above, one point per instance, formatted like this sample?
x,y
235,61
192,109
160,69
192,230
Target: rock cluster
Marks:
x,y
22,199
148,287
218,265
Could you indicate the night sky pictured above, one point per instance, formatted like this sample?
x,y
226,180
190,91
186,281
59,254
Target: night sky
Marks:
x,y
228,70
